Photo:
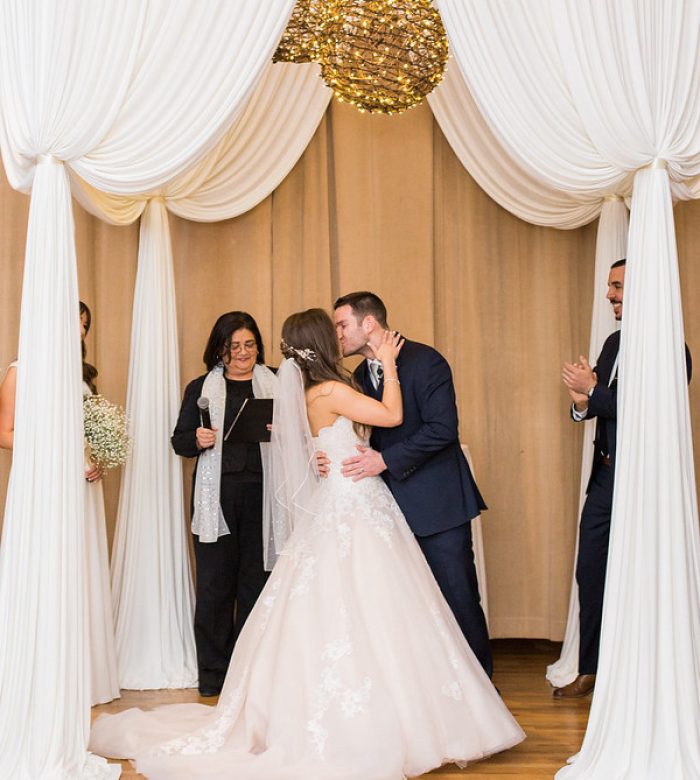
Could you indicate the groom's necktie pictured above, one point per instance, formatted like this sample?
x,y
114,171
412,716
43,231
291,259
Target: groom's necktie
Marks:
x,y
376,372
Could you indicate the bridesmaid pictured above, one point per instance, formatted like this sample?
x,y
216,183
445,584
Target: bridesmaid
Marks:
x,y
104,685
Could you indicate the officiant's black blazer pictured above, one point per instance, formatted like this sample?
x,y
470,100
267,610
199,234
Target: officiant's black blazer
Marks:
x,y
426,468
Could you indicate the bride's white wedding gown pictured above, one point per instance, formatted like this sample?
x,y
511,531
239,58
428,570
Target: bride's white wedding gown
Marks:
x,y
350,667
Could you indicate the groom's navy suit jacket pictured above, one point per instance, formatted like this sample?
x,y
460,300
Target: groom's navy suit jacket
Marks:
x,y
426,468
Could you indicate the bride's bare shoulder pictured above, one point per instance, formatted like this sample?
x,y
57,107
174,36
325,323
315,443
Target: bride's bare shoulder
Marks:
x,y
323,390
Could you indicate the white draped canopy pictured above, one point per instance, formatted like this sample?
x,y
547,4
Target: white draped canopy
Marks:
x,y
558,109
128,96
592,100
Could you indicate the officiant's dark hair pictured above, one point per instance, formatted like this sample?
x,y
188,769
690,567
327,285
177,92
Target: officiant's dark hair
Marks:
x,y
89,371
619,263
219,343
363,303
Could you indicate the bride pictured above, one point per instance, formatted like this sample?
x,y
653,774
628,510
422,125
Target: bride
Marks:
x,y
351,665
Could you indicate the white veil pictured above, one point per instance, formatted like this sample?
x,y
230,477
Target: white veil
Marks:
x,y
291,481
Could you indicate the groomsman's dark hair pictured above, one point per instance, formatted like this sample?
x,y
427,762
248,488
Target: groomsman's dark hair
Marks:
x,y
619,263
363,303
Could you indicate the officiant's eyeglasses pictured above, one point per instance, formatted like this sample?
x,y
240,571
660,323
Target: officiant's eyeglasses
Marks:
x,y
246,346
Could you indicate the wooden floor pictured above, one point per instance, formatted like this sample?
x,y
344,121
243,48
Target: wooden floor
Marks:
x,y
554,728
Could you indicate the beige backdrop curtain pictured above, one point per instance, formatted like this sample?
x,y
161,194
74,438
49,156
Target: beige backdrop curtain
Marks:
x,y
383,203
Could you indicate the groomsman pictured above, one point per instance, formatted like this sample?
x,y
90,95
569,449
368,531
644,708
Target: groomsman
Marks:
x,y
594,394
421,460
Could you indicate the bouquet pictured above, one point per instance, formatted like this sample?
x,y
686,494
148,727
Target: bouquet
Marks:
x,y
105,431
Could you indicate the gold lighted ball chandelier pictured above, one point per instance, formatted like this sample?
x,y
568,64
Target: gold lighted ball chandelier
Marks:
x,y
379,55
300,41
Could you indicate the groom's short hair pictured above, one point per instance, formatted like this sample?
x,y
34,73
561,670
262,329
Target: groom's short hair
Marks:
x,y
364,303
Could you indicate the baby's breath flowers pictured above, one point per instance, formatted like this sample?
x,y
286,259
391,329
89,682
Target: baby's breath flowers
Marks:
x,y
106,431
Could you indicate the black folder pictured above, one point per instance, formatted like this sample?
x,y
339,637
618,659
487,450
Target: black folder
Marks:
x,y
250,424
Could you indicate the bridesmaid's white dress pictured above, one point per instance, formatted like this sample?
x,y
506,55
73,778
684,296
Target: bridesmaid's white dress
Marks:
x,y
104,682
350,667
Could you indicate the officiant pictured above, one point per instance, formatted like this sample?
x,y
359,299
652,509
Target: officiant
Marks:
x,y
227,490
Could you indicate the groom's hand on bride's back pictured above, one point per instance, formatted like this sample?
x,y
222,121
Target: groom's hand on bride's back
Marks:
x,y
368,463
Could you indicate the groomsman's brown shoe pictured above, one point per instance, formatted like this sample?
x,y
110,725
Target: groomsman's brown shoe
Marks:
x,y
580,687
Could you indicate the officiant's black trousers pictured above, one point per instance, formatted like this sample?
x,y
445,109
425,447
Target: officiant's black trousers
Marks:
x,y
594,538
450,556
230,576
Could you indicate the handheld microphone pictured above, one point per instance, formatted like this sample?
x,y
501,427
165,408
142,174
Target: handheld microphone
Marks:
x,y
204,416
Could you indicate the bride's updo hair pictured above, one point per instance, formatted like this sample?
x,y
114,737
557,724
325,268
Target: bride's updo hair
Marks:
x,y
309,338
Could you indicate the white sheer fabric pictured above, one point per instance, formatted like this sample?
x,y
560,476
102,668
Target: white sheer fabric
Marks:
x,y
492,166
104,679
257,151
610,246
253,157
128,95
44,663
585,96
291,487
151,581
183,71
478,546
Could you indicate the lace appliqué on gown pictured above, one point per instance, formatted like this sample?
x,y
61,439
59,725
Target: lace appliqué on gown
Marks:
x,y
332,689
211,738
452,689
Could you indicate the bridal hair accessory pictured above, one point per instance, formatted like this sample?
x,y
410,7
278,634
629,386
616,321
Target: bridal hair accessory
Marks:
x,y
300,355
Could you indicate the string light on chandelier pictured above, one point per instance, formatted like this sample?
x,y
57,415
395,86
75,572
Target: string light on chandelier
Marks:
x,y
381,56
300,40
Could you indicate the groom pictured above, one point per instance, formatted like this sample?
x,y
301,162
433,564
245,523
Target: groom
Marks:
x,y
421,460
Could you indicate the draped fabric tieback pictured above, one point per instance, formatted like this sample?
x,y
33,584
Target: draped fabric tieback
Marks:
x,y
48,159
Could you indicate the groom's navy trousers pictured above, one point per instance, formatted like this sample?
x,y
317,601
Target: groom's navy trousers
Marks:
x,y
431,481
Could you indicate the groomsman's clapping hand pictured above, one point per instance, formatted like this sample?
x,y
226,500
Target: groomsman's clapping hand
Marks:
x,y
579,379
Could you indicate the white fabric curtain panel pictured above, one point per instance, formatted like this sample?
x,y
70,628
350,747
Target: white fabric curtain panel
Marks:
x,y
508,181
154,632
611,245
258,150
595,98
128,95
151,580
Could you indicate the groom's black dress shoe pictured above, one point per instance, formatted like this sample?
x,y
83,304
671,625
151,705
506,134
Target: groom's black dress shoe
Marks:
x,y
581,686
206,691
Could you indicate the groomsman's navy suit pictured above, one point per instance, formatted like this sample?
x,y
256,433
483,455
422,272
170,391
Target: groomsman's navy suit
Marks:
x,y
432,483
594,535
